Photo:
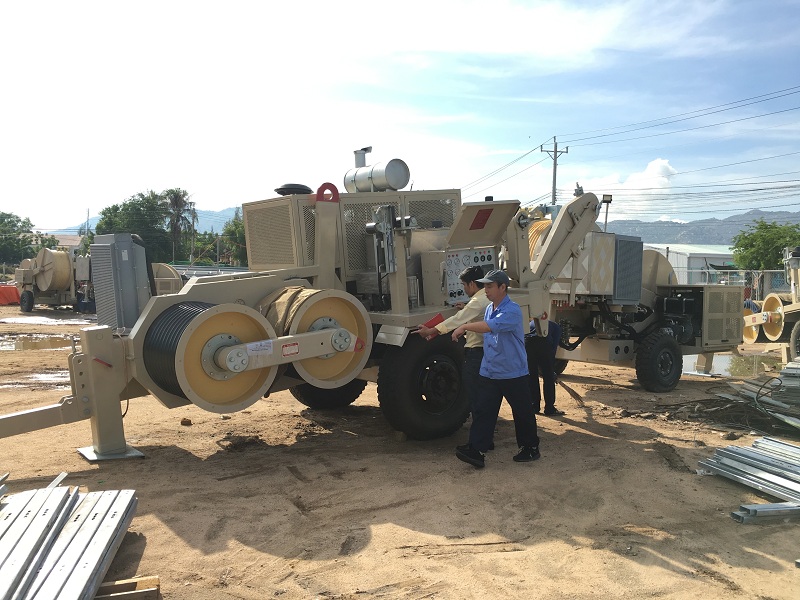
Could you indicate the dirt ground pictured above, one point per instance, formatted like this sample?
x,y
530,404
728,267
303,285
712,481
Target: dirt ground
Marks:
x,y
280,501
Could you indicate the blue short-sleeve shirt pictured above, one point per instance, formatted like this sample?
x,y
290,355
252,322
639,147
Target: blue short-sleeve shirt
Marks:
x,y
504,346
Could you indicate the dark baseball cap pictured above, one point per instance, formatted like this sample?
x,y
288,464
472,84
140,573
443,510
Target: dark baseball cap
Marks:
x,y
496,276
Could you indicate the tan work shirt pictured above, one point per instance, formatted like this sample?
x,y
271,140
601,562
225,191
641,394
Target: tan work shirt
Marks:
x,y
474,310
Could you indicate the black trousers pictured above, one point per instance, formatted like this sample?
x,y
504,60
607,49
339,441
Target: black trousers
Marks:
x,y
470,372
489,397
541,360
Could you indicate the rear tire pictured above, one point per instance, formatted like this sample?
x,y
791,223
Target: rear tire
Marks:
x,y
325,399
659,362
420,390
26,301
560,365
794,342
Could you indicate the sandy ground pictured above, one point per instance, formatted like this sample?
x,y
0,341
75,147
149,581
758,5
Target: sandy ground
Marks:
x,y
280,501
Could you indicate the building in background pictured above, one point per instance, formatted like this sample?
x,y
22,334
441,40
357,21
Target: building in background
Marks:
x,y
700,264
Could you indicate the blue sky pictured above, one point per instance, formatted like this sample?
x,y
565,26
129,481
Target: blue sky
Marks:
x,y
679,109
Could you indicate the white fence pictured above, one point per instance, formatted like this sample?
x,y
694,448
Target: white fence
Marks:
x,y
757,284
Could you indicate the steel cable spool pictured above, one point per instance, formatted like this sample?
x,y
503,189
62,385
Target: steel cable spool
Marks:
x,y
294,310
537,234
774,329
179,350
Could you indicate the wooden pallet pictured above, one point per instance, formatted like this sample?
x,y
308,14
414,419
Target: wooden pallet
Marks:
x,y
138,588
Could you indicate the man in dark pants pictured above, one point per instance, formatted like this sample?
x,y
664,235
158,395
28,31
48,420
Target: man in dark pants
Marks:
x,y
503,373
541,359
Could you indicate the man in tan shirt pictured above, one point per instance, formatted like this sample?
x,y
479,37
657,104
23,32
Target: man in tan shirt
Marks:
x,y
471,312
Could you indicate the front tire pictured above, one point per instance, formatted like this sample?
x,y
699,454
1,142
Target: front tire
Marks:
x,y
325,399
794,342
26,301
420,390
659,362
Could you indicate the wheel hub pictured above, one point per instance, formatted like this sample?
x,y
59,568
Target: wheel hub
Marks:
x,y
439,382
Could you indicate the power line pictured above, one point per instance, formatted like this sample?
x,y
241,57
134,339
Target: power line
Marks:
x,y
685,116
642,137
499,169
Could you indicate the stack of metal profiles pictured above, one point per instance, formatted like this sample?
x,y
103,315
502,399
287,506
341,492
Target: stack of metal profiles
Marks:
x,y
767,513
770,466
56,542
778,397
789,392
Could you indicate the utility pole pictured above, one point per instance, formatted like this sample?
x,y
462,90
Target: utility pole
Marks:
x,y
554,154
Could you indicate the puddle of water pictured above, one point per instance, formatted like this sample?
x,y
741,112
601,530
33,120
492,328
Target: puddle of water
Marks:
x,y
55,377
748,367
34,342
47,321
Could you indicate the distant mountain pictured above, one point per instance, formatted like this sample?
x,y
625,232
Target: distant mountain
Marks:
x,y
207,220
704,231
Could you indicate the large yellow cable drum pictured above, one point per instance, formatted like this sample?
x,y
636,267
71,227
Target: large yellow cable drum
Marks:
x,y
294,310
54,270
179,352
775,329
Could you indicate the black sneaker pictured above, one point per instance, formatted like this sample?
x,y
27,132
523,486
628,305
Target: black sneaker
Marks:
x,y
553,412
527,454
470,455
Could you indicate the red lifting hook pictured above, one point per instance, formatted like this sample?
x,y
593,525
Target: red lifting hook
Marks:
x,y
327,187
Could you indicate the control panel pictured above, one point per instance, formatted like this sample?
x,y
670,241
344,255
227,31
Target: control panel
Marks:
x,y
458,260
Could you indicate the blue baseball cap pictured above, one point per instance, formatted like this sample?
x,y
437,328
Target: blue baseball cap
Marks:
x,y
496,276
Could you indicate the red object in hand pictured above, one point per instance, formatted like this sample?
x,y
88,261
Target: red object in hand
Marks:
x,y
433,322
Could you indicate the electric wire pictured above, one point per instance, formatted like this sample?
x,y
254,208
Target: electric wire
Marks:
x,y
699,112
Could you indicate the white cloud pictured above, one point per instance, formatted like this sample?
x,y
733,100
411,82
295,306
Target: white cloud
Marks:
x,y
669,219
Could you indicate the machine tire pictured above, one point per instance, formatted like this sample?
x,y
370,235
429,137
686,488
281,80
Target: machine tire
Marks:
x,y
326,399
26,301
659,362
560,365
420,390
794,342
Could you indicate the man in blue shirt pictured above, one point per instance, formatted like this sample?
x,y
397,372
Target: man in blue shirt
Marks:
x,y
503,373
541,358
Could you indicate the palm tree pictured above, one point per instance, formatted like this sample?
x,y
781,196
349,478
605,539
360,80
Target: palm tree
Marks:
x,y
181,214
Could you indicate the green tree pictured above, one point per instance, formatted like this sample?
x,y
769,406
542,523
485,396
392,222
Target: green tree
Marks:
x,y
234,238
17,240
205,249
760,246
88,236
144,214
182,218
40,240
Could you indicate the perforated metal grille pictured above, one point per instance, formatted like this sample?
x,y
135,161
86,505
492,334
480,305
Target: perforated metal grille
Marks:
x,y
724,316
715,329
104,288
309,222
716,301
269,235
732,302
628,271
428,211
356,217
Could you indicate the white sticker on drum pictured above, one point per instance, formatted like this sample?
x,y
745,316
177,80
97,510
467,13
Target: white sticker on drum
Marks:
x,y
262,347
